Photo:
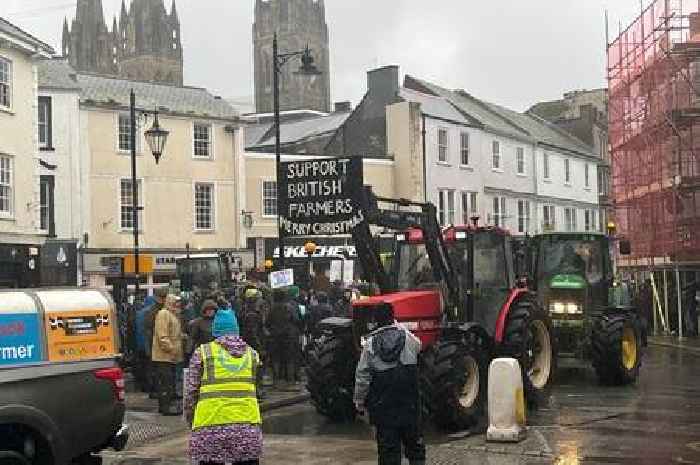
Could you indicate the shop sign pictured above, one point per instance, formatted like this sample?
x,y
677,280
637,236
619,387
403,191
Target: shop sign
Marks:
x,y
19,339
322,251
321,197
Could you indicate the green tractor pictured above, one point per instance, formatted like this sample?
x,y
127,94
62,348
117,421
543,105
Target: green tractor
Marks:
x,y
592,316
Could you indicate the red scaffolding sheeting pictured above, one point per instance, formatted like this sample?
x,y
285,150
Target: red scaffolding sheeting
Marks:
x,y
654,131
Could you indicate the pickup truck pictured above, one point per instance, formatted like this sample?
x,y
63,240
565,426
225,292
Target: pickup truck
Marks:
x,y
61,389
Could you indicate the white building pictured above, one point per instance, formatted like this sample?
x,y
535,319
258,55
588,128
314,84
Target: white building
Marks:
x,y
513,170
21,237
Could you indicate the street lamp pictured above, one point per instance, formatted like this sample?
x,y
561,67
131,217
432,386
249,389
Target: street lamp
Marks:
x,y
307,68
156,137
310,249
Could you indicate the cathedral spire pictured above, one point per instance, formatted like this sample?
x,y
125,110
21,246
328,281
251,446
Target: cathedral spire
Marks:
x,y
66,38
173,14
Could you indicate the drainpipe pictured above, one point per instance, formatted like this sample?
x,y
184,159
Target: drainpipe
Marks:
x,y
425,164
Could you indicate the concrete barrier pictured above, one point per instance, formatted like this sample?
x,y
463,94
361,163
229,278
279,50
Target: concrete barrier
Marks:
x,y
506,402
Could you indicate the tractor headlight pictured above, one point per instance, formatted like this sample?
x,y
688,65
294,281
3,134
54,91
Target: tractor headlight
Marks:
x,y
568,308
558,308
573,309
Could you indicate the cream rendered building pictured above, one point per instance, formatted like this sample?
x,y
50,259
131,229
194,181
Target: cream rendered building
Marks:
x,y
20,236
189,200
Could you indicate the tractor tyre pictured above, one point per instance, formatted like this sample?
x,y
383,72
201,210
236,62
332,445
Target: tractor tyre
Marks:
x,y
616,348
330,374
453,381
528,338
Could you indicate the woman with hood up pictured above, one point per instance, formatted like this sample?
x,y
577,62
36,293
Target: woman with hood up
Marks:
x,y
220,399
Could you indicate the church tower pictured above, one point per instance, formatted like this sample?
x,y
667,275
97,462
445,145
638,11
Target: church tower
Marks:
x,y
297,23
144,43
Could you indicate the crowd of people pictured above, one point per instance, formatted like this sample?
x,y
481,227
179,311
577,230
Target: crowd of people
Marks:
x,y
275,323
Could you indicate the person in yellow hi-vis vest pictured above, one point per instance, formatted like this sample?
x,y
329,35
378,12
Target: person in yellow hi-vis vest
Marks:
x,y
220,398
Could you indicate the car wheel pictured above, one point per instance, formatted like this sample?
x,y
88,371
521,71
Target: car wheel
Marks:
x,y
9,457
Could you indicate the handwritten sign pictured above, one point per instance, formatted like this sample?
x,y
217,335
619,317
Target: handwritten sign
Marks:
x,y
321,197
282,278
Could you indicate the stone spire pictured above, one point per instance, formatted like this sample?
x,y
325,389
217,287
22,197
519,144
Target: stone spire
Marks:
x,y
66,38
174,18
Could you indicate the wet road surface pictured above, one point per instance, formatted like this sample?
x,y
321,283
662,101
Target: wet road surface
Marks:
x,y
656,422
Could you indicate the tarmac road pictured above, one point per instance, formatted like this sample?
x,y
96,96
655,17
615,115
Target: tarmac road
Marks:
x,y
656,422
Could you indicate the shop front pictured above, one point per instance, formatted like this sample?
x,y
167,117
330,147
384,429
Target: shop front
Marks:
x,y
19,266
102,269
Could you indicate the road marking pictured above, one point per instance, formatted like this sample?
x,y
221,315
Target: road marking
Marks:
x,y
545,444
694,446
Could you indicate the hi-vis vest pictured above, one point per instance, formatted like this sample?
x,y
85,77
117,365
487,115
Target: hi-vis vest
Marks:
x,y
227,393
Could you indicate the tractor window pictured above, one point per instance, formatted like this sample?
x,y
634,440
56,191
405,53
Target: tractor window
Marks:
x,y
489,261
571,256
202,271
414,269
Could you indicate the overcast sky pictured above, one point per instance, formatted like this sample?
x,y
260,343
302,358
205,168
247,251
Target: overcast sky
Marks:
x,y
511,52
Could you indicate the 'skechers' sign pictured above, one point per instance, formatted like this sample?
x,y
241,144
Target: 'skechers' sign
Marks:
x,y
321,197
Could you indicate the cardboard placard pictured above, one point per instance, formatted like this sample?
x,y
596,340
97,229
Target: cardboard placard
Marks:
x,y
282,278
321,197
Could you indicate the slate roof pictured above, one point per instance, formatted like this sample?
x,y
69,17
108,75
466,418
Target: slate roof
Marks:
x,y
503,120
14,31
551,110
434,106
56,73
300,130
195,101
255,132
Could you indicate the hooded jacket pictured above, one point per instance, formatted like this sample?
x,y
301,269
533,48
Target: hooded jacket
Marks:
x,y
386,378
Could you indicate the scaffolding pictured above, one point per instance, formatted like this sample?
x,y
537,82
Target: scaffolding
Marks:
x,y
654,134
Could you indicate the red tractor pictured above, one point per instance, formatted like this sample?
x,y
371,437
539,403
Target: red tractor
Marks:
x,y
456,290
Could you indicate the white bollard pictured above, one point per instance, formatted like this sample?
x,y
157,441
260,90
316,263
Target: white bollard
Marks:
x,y
506,402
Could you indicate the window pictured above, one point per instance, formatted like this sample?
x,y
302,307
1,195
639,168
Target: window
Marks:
x,y
127,203
464,148
125,134
523,216
446,211
5,186
570,219
202,140
549,219
585,176
269,198
46,205
567,171
442,145
45,122
469,207
520,160
545,165
204,206
589,220
5,83
496,162
499,211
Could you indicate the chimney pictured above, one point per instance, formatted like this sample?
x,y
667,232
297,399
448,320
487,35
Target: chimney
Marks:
x,y
383,81
342,107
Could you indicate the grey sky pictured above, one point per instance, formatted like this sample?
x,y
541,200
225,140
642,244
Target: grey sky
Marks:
x,y
511,52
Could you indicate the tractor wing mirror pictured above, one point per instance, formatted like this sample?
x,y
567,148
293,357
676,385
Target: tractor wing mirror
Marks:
x,y
625,247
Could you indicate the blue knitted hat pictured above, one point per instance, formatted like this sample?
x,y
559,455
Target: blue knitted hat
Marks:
x,y
225,324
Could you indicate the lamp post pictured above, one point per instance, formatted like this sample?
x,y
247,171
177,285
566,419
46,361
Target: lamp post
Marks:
x,y
156,137
310,249
308,68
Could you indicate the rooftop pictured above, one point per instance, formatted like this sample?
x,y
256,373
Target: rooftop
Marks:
x,y
95,89
9,29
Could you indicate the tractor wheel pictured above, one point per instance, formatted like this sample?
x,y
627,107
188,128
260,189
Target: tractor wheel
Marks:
x,y
330,374
528,339
616,348
453,381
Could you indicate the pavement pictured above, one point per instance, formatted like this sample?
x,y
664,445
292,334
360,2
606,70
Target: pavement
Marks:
x,y
655,422
691,344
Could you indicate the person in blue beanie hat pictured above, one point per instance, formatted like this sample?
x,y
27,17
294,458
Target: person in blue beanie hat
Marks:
x,y
221,405
225,322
